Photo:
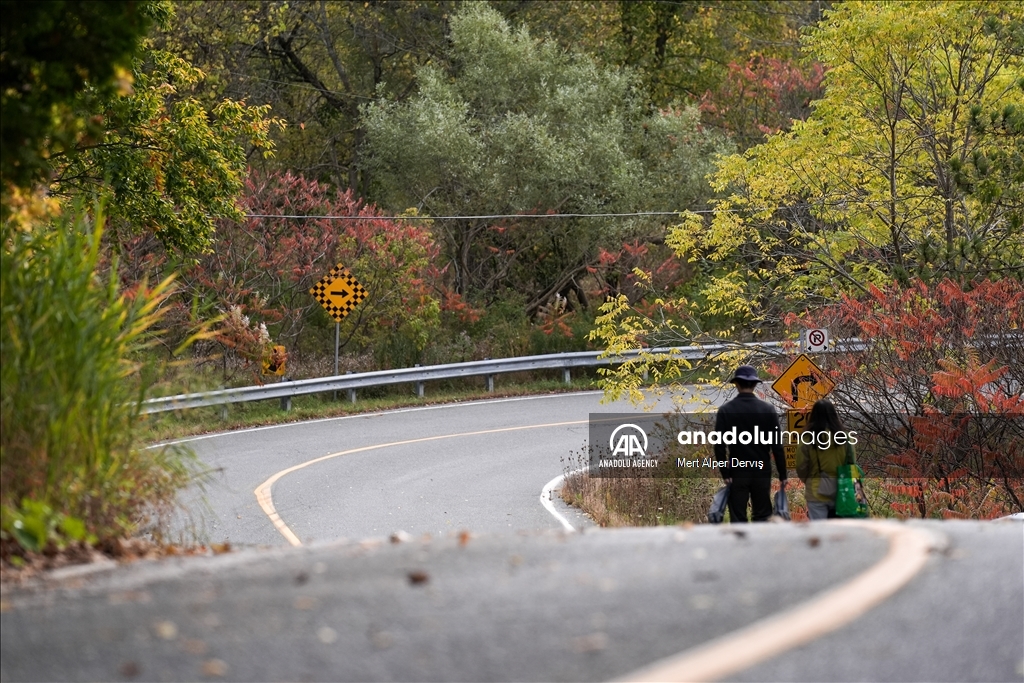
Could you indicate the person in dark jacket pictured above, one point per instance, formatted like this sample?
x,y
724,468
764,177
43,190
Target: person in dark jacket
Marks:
x,y
749,435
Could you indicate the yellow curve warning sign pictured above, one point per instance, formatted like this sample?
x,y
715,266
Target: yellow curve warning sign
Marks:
x,y
803,383
275,364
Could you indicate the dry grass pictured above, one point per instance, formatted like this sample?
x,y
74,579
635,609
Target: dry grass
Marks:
x,y
639,500
647,501
653,501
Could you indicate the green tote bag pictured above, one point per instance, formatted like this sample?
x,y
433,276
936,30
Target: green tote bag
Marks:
x,y
851,501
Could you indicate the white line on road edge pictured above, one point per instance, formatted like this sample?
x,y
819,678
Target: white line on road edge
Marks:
x,y
548,491
828,611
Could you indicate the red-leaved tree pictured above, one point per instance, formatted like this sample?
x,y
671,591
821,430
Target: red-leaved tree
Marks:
x,y
762,96
259,272
268,264
935,392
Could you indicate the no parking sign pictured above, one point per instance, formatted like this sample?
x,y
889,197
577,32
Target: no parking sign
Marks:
x,y
816,340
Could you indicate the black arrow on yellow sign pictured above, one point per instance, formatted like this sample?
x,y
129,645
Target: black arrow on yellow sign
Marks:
x,y
338,292
803,383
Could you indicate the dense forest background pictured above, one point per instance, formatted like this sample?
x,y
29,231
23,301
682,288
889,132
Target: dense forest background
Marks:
x,y
613,113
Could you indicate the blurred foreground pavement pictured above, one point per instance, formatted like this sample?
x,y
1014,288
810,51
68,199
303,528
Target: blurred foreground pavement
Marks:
x,y
541,606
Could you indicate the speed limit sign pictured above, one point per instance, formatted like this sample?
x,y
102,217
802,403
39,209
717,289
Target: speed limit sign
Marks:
x,y
816,340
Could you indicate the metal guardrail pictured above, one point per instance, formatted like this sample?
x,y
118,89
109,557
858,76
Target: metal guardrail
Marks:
x,y
418,375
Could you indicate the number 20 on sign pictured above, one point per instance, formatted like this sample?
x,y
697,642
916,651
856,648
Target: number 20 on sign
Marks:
x,y
796,421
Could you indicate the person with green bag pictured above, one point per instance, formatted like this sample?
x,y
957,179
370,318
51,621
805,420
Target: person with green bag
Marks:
x,y
826,463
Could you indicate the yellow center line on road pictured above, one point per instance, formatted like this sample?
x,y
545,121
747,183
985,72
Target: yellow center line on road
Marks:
x,y
266,501
828,611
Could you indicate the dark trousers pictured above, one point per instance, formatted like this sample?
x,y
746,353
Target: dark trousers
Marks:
x,y
756,491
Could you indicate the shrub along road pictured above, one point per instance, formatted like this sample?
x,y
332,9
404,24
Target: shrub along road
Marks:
x,y
539,604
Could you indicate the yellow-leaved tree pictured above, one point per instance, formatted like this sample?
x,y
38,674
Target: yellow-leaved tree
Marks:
x,y
910,166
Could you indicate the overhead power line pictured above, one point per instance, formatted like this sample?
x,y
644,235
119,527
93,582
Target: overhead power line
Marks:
x,y
524,216
487,217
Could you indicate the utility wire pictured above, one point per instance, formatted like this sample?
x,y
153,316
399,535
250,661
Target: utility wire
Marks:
x,y
549,215
490,217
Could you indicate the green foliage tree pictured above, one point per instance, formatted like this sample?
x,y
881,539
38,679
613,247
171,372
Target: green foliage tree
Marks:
x,y
315,63
172,164
739,59
49,53
684,48
72,341
516,126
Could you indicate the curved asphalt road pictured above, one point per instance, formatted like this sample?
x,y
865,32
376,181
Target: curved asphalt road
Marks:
x,y
484,475
538,604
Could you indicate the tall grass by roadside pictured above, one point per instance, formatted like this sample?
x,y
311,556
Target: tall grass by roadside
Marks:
x,y
70,465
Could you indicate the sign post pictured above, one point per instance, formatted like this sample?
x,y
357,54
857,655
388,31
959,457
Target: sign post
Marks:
x,y
339,293
796,421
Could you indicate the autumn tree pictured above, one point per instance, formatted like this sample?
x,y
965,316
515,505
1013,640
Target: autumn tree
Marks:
x,y
259,275
909,165
518,126
933,391
762,96
173,163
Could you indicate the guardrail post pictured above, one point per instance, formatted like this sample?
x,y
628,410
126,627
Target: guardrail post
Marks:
x,y
223,406
286,401
419,386
351,392
566,376
490,380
